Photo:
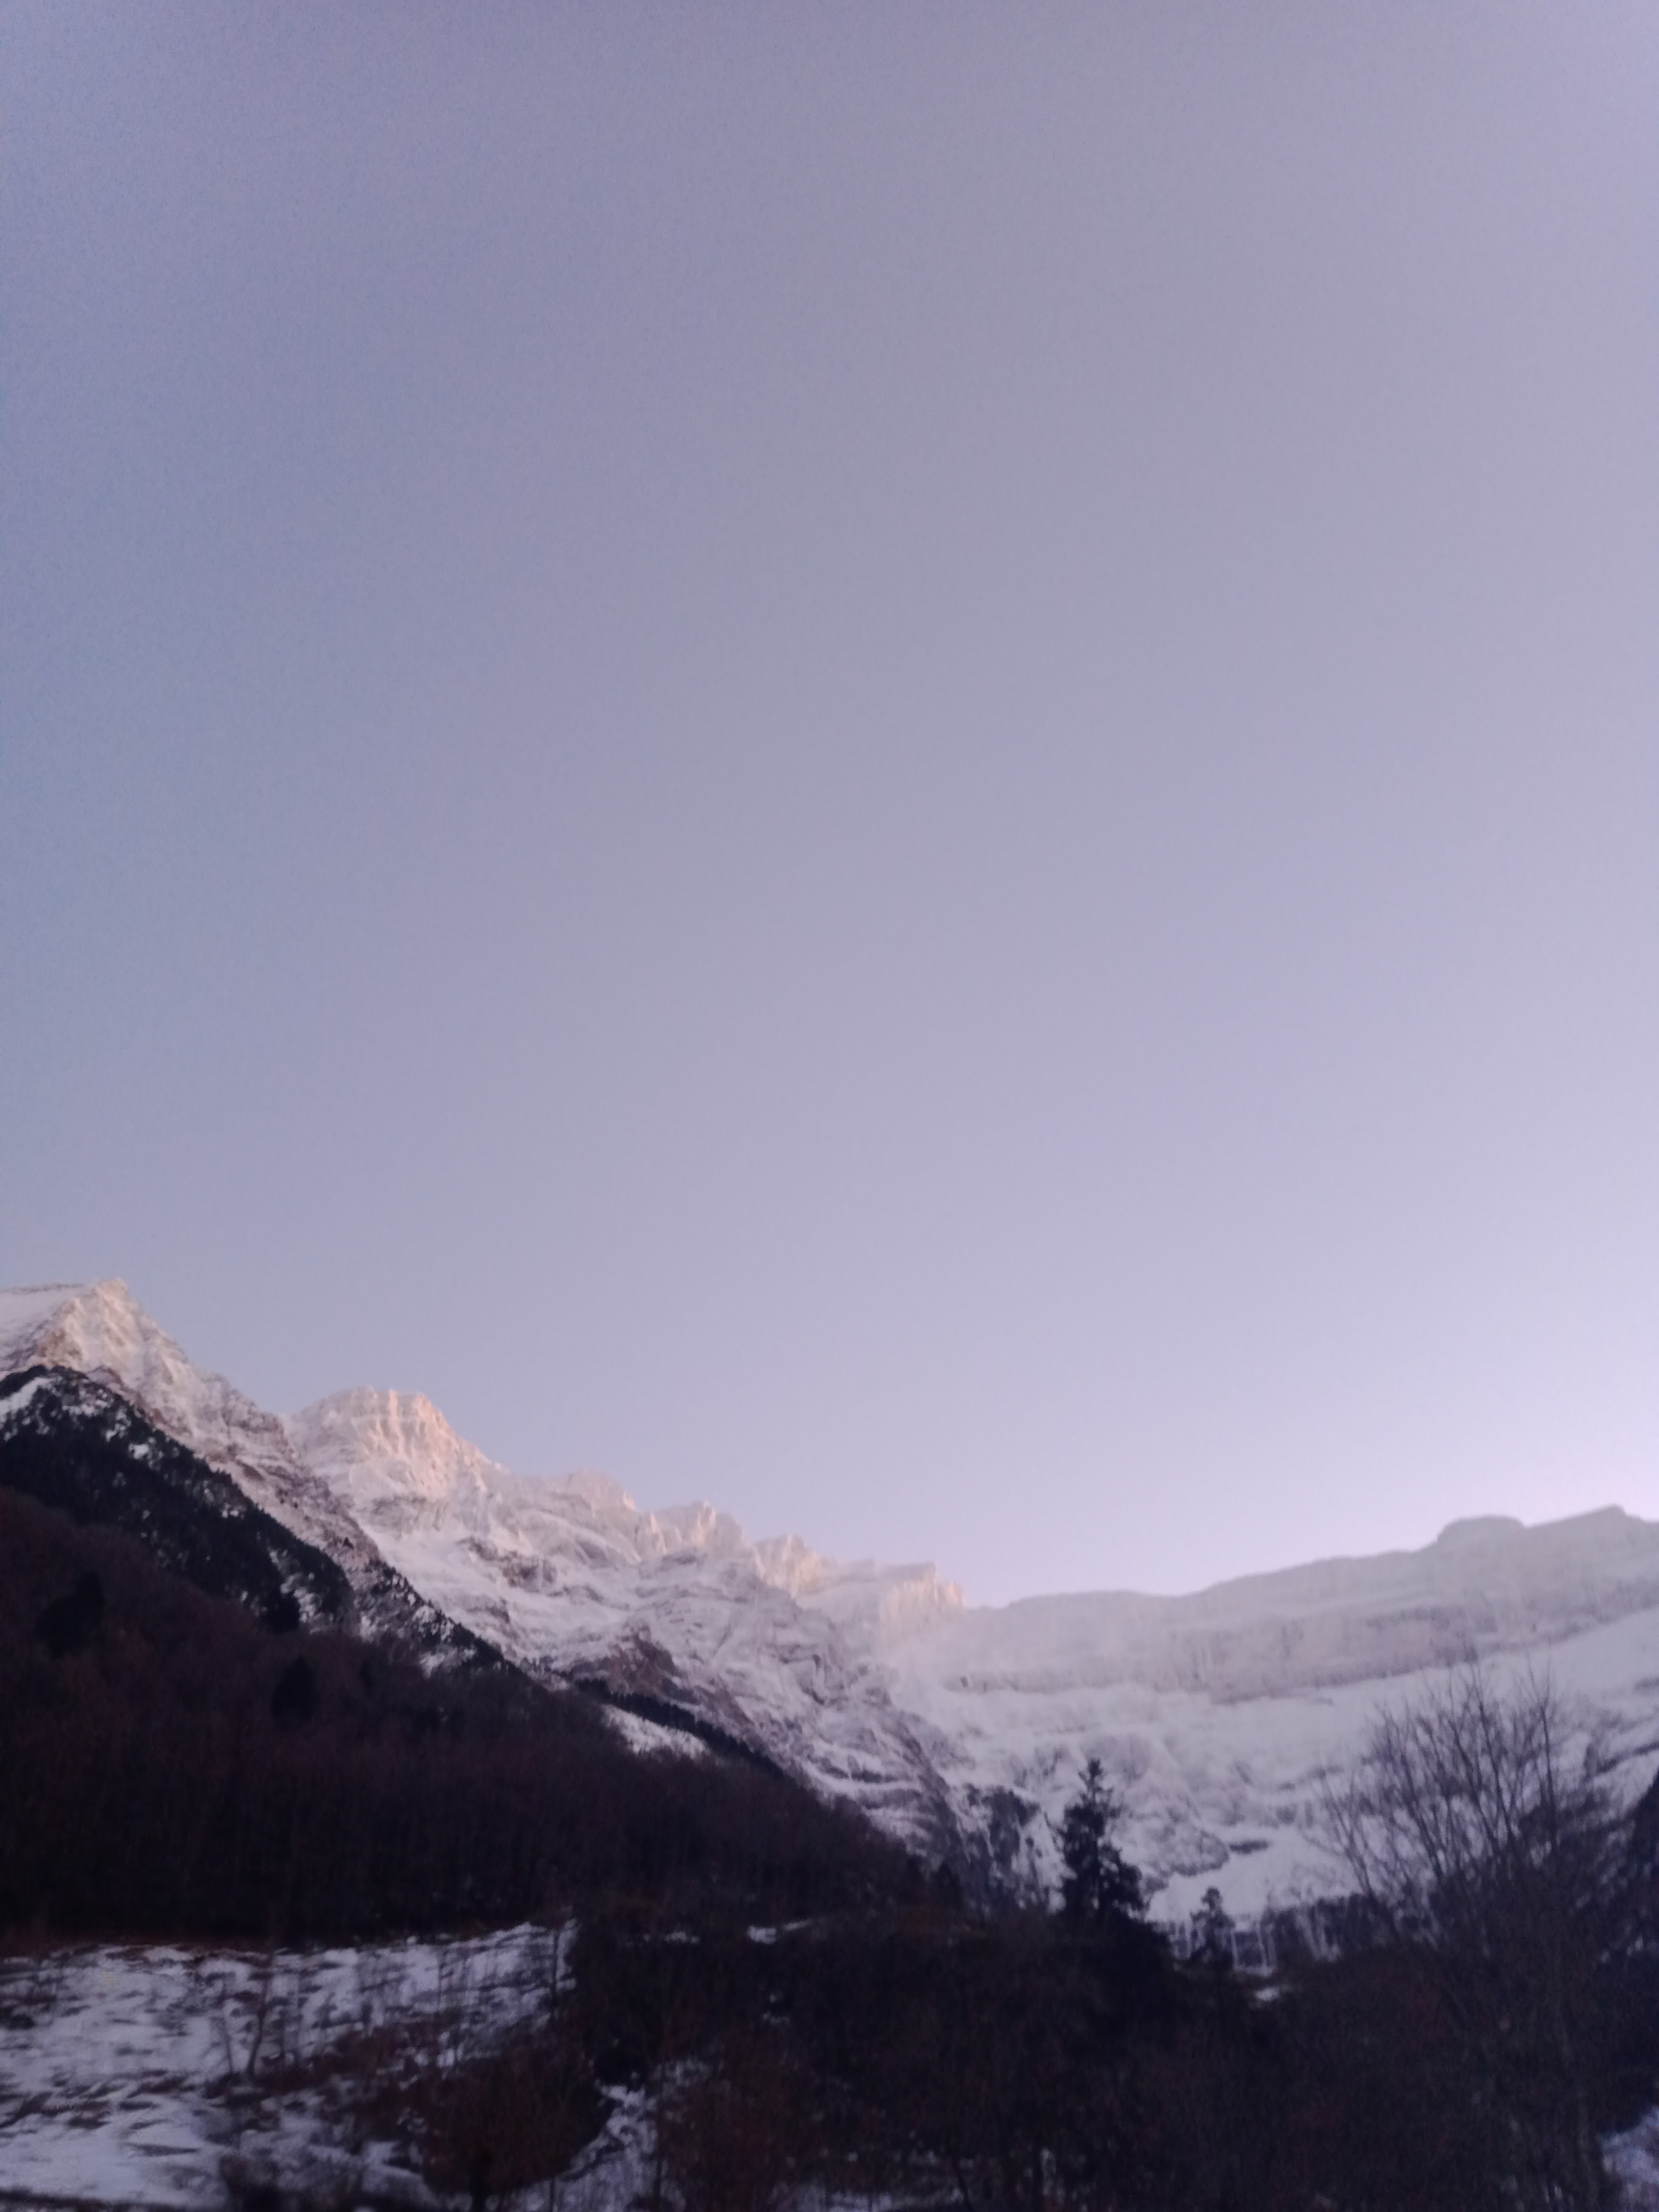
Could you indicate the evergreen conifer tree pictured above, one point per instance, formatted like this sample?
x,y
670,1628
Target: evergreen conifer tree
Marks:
x,y
1099,1888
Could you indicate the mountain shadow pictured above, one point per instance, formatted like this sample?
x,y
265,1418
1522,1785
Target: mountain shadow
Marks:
x,y
72,1443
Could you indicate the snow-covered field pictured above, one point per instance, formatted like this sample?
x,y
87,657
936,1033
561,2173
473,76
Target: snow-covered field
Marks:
x,y
1633,2162
159,2079
151,2075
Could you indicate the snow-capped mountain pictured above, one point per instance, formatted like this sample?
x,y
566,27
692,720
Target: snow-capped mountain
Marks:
x,y
100,1330
771,1644
766,1645
1217,1714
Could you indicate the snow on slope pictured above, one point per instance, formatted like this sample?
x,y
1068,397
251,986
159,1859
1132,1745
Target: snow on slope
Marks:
x,y
770,1643
1222,1771
1216,1715
158,2077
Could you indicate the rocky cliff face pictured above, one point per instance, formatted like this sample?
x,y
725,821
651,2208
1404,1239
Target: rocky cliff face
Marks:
x,y
1217,1716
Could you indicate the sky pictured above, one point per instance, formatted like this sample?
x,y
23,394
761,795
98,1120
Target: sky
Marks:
x,y
896,764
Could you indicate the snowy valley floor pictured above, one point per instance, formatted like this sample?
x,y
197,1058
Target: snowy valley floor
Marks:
x,y
162,2078
174,2079
166,2076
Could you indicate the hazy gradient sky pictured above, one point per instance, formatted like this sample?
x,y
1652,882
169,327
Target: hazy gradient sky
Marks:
x,y
897,764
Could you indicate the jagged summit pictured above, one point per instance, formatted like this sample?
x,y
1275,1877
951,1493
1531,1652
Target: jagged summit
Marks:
x,y
395,1460
393,1449
102,1330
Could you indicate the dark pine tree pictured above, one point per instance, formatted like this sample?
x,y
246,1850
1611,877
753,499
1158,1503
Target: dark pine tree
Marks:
x,y
1099,1888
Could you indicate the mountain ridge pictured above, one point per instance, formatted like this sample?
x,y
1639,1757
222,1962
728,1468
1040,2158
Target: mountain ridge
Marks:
x,y
1217,1714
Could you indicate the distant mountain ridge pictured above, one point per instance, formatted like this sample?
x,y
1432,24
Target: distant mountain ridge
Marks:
x,y
961,1729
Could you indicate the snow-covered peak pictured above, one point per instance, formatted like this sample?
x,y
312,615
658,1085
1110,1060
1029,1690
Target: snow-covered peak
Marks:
x,y
391,1455
101,1330
699,1527
396,1462
394,1451
29,1308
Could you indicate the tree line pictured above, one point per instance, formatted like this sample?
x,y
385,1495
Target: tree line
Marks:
x,y
1495,2010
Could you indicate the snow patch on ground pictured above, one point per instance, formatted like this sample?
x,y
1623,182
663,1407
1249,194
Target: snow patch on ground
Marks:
x,y
1633,2162
156,2078
14,1400
144,2075
650,1738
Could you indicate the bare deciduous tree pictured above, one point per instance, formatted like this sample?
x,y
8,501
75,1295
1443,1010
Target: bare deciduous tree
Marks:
x,y
1483,1831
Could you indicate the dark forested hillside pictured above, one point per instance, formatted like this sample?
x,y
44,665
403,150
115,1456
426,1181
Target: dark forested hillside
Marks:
x,y
173,1764
74,1443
